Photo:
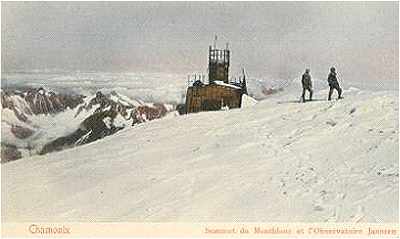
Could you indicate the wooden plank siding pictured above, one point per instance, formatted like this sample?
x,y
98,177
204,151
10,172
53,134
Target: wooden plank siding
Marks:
x,y
212,97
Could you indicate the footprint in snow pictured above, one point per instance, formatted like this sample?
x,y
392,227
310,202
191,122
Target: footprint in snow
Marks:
x,y
306,175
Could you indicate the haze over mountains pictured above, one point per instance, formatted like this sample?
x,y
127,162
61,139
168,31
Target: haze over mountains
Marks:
x,y
275,40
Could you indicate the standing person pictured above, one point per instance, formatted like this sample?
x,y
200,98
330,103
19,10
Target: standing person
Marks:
x,y
334,84
307,84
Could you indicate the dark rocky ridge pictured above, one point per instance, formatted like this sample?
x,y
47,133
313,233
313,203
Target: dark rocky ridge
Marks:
x,y
48,102
9,153
91,129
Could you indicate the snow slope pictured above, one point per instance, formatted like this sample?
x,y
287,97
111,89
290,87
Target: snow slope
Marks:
x,y
274,161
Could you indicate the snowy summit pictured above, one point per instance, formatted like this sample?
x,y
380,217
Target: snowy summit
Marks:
x,y
273,161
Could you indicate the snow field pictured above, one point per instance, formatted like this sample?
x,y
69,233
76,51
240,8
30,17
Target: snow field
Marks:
x,y
275,161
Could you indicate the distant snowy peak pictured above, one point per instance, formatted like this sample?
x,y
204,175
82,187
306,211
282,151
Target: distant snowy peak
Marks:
x,y
122,107
35,101
125,100
42,101
16,104
20,110
107,102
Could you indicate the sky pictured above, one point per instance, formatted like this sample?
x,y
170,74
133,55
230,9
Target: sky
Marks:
x,y
274,39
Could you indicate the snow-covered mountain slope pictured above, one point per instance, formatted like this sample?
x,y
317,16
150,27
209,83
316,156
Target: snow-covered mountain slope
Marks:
x,y
105,115
28,115
274,161
33,118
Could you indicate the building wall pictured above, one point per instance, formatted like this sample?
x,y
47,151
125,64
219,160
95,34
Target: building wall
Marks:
x,y
212,97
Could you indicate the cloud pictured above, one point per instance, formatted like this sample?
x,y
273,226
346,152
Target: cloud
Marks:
x,y
278,39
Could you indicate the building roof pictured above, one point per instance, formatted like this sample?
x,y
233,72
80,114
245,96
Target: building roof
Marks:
x,y
225,84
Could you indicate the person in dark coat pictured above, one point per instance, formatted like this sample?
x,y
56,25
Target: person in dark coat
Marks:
x,y
334,84
307,84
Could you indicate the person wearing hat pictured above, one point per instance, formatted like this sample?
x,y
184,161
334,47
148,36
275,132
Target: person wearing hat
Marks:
x,y
307,84
334,84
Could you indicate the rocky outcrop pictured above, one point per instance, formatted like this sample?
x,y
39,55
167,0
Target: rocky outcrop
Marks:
x,y
145,113
21,132
136,111
112,101
95,127
16,104
9,152
37,101
48,102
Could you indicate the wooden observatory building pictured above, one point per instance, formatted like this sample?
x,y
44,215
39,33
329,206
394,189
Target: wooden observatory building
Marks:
x,y
218,93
